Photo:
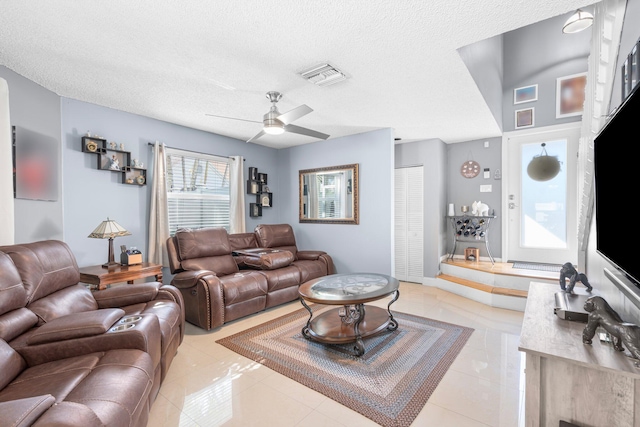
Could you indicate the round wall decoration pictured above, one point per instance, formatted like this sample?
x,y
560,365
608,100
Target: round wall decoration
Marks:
x,y
470,169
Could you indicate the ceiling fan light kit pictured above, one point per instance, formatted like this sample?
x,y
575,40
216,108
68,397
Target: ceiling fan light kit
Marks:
x,y
276,123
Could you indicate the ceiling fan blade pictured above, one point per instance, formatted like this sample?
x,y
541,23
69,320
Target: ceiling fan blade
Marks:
x,y
257,136
294,114
305,131
232,118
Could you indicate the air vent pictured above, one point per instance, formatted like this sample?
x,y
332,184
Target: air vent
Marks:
x,y
323,75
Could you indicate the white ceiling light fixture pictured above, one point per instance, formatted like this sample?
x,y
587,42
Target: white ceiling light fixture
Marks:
x,y
579,21
323,75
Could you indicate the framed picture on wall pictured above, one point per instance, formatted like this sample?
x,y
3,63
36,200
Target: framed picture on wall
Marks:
x,y
35,165
570,95
525,118
525,94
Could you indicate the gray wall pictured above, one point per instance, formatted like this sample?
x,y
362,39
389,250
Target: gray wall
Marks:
x,y
432,155
595,263
92,195
354,248
464,191
37,111
539,54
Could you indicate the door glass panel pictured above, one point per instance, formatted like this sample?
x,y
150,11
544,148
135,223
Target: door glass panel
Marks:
x,y
543,221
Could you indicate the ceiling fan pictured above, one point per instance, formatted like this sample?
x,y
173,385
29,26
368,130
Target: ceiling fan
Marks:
x,y
276,123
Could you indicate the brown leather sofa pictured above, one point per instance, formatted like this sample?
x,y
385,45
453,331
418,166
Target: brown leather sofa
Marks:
x,y
72,357
224,277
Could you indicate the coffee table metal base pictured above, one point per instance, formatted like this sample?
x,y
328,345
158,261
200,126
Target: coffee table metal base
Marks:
x,y
349,323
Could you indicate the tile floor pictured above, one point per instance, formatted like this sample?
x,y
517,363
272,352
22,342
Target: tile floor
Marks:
x,y
209,385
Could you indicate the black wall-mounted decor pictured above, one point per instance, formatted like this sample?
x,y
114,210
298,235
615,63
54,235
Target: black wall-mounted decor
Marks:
x,y
257,185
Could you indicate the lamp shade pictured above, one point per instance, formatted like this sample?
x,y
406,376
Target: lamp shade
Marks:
x,y
579,21
108,230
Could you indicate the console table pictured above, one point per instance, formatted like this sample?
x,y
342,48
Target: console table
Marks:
x,y
472,229
566,380
99,277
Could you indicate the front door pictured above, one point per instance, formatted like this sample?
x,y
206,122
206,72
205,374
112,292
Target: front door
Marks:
x,y
541,214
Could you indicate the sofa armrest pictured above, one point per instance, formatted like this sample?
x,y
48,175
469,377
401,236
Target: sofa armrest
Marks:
x,y
310,255
24,412
77,325
122,296
188,279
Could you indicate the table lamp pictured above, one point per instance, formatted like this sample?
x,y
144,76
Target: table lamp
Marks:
x,y
109,229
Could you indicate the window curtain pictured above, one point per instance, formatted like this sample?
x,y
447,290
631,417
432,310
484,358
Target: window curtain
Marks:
x,y
159,216
236,194
7,225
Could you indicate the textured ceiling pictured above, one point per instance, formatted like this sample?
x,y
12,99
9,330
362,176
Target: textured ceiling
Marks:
x,y
180,60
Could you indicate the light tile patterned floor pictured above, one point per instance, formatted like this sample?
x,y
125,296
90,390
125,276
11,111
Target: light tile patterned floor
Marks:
x,y
209,385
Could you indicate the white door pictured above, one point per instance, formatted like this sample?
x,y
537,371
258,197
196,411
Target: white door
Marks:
x,y
409,249
541,216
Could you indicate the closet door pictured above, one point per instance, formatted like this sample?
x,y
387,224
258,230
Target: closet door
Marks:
x,y
409,229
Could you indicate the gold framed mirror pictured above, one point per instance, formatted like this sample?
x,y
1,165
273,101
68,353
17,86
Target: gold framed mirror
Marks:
x,y
329,195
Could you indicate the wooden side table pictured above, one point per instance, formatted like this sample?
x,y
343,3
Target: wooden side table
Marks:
x,y
100,277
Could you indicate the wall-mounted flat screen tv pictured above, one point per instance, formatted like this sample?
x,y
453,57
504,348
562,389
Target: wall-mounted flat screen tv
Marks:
x,y
617,173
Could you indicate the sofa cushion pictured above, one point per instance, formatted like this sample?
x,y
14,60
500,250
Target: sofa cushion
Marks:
x,y
268,260
69,300
44,267
209,242
276,236
16,322
76,325
25,412
11,364
242,241
114,384
12,292
220,265
243,286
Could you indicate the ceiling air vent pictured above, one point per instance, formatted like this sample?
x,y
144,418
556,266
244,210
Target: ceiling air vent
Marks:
x,y
324,75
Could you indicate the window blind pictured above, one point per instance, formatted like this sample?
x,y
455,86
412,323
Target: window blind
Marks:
x,y
197,190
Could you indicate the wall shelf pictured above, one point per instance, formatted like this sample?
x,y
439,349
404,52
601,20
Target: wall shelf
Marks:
x,y
114,160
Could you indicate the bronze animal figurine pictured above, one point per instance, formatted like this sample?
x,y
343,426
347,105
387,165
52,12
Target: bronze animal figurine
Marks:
x,y
601,314
569,271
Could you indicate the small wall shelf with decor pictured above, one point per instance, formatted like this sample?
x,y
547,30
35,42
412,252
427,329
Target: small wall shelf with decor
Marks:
x,y
114,158
257,184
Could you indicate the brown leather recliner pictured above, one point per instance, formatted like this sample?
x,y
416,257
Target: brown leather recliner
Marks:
x,y
60,339
224,277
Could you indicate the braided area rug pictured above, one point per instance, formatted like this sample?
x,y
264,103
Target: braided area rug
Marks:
x,y
389,384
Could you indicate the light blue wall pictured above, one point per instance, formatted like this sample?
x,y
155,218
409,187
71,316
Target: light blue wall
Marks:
x,y
92,195
432,155
366,247
37,111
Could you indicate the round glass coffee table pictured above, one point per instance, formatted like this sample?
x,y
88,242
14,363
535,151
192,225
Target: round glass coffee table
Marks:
x,y
353,320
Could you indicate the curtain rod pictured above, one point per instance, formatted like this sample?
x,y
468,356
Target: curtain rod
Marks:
x,y
152,144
